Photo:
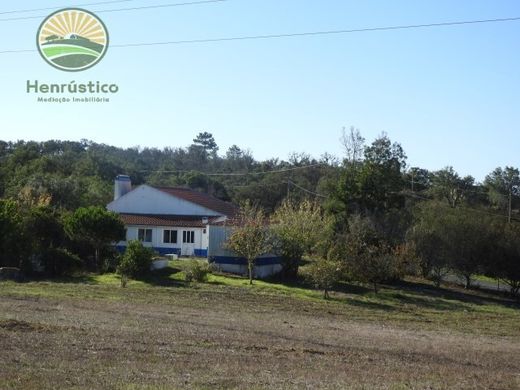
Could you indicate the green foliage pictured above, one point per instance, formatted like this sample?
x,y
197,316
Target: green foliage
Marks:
x,y
197,271
504,261
81,174
448,186
12,246
95,226
44,228
250,237
299,228
206,141
368,258
502,184
135,262
325,274
451,239
372,185
59,262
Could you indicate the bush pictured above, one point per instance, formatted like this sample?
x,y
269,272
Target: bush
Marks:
x,y
325,274
111,258
197,271
59,262
135,262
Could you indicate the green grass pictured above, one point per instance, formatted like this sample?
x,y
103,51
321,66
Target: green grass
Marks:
x,y
414,303
68,50
163,332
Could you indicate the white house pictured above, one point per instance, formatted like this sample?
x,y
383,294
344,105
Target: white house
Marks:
x,y
183,222
169,220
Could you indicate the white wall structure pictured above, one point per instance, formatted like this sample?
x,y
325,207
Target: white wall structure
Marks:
x,y
122,186
228,261
171,220
149,200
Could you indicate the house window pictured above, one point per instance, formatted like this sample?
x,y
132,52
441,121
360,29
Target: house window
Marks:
x,y
188,237
144,235
170,236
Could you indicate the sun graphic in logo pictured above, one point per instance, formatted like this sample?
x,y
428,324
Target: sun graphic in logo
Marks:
x,y
72,39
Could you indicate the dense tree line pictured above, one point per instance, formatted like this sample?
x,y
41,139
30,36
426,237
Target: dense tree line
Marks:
x,y
378,218
76,174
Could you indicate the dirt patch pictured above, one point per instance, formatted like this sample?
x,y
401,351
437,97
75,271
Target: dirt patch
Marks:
x,y
24,326
225,338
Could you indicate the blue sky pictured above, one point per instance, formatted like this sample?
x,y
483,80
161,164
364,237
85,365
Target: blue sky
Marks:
x,y
450,96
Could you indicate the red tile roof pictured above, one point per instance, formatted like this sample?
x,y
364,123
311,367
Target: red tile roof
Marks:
x,y
164,220
204,200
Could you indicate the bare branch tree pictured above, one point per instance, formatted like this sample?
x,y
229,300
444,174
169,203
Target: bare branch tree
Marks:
x,y
353,143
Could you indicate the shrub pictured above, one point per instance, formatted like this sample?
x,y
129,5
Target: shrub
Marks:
x,y
111,258
325,274
197,271
59,262
135,262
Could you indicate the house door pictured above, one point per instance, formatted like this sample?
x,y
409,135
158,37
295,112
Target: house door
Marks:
x,y
188,243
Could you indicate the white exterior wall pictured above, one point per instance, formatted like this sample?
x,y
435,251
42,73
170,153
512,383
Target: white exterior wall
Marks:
x,y
148,200
200,239
217,236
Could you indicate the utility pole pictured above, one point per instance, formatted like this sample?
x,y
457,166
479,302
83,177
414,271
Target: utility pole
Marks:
x,y
509,206
412,180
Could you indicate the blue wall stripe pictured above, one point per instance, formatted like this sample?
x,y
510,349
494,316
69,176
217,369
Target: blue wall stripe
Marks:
x,y
243,261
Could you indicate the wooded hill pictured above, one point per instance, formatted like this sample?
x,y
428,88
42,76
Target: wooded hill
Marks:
x,y
376,218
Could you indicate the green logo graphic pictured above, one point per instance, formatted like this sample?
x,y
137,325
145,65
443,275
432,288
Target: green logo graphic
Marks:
x,y
72,39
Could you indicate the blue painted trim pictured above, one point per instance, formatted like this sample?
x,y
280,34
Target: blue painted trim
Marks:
x,y
200,252
161,251
166,251
242,261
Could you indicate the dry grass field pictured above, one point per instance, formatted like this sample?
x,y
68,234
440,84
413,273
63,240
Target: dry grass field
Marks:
x,y
88,333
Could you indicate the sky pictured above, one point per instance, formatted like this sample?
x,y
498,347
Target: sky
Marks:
x,y
448,95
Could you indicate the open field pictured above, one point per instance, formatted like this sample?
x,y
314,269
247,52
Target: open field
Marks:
x,y
89,333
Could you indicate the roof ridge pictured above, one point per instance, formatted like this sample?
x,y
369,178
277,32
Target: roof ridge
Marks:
x,y
200,198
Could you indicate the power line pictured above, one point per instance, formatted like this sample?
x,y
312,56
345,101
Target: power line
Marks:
x,y
305,189
280,183
289,35
233,173
144,7
63,6
329,32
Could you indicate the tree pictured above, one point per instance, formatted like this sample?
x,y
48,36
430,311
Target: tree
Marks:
x,y
298,228
95,226
426,238
325,274
250,237
46,238
135,262
449,186
505,261
207,142
369,259
52,37
418,179
450,239
353,144
503,187
374,185
12,250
